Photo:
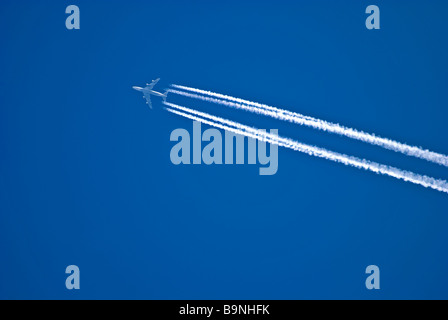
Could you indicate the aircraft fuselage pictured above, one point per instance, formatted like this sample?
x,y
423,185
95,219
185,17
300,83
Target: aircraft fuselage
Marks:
x,y
148,91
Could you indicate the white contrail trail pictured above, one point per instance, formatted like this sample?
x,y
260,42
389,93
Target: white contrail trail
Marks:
x,y
312,122
428,182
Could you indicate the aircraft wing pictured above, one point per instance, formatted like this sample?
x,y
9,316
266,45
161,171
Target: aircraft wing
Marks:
x,y
148,99
152,84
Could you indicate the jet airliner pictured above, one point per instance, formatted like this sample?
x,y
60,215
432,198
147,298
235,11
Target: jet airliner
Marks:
x,y
147,92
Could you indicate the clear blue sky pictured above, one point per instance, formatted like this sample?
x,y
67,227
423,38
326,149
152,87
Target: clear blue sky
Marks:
x,y
86,177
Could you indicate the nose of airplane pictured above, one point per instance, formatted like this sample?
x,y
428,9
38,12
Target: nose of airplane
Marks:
x,y
137,88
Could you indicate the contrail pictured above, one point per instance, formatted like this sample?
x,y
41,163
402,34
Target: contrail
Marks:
x,y
425,181
312,122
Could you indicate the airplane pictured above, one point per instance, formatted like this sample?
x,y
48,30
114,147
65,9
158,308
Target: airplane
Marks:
x,y
147,92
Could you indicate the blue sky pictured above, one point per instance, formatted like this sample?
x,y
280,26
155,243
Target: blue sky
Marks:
x,y
86,177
